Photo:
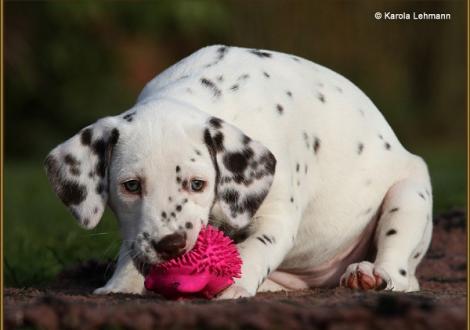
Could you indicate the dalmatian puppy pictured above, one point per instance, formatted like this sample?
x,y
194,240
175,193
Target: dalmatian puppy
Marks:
x,y
287,157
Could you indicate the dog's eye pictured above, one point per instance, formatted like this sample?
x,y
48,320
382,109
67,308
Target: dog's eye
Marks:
x,y
132,186
197,185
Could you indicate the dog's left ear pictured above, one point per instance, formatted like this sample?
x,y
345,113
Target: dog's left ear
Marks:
x,y
78,170
245,171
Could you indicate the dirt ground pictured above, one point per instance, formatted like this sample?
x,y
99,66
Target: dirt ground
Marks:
x,y
68,303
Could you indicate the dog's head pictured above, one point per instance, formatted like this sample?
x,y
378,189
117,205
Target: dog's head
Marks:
x,y
162,167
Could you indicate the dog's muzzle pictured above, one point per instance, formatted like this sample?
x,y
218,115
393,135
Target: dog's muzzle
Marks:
x,y
170,246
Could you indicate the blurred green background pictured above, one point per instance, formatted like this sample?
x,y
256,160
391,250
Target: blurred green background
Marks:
x,y
69,63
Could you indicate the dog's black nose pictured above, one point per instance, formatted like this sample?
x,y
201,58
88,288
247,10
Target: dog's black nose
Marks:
x,y
170,246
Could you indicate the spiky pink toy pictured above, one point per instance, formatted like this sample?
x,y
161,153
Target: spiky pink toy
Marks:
x,y
204,271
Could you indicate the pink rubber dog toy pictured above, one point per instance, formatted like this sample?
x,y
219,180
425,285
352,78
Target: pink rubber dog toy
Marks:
x,y
206,270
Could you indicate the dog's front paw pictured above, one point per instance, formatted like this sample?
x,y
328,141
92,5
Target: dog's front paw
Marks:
x,y
104,290
234,292
107,289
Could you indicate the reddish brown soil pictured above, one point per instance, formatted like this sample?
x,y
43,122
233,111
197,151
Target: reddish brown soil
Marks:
x,y
68,304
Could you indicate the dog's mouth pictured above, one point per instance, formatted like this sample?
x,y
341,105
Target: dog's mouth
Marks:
x,y
145,259
143,263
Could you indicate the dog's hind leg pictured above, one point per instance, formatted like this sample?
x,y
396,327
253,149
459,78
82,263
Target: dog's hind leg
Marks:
x,y
402,237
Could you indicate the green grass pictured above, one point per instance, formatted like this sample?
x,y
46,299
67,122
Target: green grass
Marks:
x,y
448,176
41,237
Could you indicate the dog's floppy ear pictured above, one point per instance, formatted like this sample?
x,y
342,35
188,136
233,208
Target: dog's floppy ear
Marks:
x,y
245,171
78,170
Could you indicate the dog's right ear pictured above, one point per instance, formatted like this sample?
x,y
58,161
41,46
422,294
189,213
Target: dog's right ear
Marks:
x,y
78,170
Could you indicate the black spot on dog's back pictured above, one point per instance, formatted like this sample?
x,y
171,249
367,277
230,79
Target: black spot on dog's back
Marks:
x,y
316,145
234,87
129,117
210,85
221,52
260,53
360,148
306,139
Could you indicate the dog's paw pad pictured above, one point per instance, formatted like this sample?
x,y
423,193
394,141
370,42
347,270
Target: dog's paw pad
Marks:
x,y
365,276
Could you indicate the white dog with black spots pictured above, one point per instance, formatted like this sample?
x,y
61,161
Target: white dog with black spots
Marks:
x,y
289,158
